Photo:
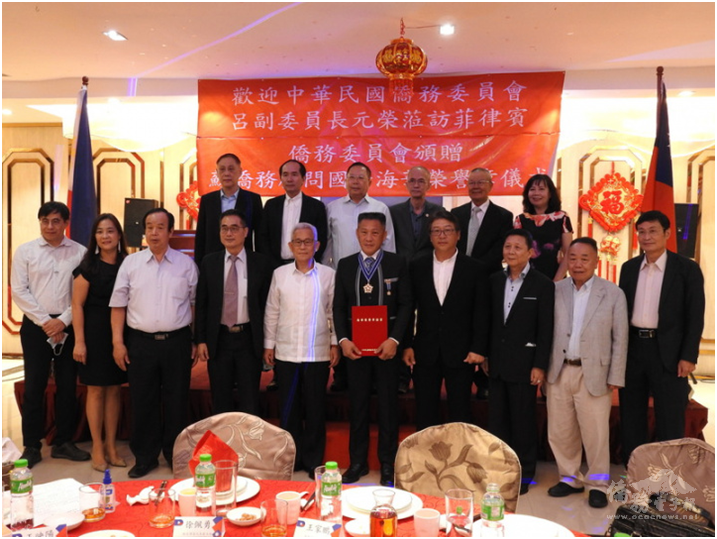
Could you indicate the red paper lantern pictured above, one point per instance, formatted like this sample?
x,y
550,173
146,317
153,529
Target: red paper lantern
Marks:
x,y
401,61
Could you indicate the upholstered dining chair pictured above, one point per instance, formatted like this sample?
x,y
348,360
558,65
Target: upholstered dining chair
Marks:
x,y
457,455
264,450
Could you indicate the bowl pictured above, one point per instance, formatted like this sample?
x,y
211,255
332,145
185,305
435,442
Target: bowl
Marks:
x,y
244,516
359,527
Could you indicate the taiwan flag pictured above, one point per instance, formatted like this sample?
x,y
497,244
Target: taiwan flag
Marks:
x,y
81,198
659,191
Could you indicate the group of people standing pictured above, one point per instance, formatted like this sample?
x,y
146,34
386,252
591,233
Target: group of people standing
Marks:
x,y
258,296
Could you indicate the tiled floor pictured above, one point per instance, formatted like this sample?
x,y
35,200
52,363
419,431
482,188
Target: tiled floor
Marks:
x,y
572,512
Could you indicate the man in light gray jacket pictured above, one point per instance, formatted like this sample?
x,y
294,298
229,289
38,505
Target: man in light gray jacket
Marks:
x,y
587,363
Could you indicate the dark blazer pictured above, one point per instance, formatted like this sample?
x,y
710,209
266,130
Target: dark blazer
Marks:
x,y
210,210
461,324
210,298
681,310
488,247
269,237
525,339
395,270
406,244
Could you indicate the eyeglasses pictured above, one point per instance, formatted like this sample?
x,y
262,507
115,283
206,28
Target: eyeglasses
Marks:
x,y
305,243
442,231
234,229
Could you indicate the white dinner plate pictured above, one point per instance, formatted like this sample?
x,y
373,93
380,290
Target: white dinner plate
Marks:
x,y
355,499
251,489
108,533
528,526
71,520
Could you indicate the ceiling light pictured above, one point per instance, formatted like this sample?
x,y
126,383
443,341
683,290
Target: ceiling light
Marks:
x,y
114,35
448,30
6,112
686,93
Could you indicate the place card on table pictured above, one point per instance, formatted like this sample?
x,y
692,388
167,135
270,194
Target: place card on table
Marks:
x,y
43,531
309,527
199,527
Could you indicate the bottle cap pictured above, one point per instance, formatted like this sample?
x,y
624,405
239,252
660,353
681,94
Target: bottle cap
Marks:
x,y
21,463
205,458
331,465
107,480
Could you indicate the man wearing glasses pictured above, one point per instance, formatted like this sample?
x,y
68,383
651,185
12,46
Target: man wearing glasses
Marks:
x,y
410,218
483,224
231,298
300,343
450,292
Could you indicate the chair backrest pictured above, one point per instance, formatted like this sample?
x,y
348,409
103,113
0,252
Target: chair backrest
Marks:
x,y
264,450
684,468
458,455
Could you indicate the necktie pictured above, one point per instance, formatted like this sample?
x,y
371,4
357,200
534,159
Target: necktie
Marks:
x,y
231,294
473,227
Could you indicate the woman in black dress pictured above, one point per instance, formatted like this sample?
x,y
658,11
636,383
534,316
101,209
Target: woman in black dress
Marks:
x,y
550,226
94,280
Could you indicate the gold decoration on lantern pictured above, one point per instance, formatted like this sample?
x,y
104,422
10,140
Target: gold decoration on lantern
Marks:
x,y
401,61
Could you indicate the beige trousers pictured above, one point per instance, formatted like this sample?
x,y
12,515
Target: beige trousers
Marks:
x,y
577,419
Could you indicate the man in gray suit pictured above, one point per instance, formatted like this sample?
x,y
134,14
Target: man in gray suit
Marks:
x,y
410,218
587,363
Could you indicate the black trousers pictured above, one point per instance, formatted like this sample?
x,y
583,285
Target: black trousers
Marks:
x,y
512,419
363,373
427,382
235,363
38,358
302,392
646,375
159,373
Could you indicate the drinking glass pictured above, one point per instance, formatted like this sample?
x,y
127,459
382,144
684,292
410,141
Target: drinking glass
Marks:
x,y
273,518
92,501
459,512
161,508
226,481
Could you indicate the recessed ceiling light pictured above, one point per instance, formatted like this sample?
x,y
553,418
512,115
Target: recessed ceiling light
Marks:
x,y
6,112
114,35
686,93
447,30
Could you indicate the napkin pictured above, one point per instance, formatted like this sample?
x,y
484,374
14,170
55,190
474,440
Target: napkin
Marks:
x,y
142,497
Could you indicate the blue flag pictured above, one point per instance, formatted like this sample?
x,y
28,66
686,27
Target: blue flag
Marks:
x,y
81,197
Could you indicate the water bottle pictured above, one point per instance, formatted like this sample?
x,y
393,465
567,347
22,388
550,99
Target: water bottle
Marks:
x,y
331,494
109,492
205,476
491,512
22,513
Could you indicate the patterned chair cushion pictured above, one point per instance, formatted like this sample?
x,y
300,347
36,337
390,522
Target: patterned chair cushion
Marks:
x,y
458,455
684,468
264,450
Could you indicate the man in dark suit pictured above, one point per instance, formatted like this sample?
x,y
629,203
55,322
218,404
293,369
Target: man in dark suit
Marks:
x,y
231,298
522,306
284,212
666,305
230,196
483,224
450,292
410,218
372,277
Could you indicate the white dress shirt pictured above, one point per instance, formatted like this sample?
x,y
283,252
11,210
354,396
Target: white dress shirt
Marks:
x,y
512,287
580,303
645,312
298,321
442,275
41,280
289,219
242,287
158,295
342,216
228,202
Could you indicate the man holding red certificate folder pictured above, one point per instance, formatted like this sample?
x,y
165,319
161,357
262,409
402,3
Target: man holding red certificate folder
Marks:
x,y
372,309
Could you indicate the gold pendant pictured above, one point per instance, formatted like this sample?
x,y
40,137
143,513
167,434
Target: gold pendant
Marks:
x,y
367,288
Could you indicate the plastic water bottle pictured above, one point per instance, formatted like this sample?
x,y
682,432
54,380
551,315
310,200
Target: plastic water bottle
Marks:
x,y
205,476
491,512
22,510
109,492
331,494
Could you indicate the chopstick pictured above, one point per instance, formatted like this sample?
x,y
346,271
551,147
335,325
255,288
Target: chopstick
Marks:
x,y
160,493
309,501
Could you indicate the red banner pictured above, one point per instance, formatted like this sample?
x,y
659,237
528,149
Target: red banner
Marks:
x,y
508,123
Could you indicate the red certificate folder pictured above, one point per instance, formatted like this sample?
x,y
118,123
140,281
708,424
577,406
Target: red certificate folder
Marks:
x,y
369,327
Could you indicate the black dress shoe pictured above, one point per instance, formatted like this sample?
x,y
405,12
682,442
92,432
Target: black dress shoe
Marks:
x,y
69,451
140,470
524,488
597,498
387,475
32,455
562,489
312,474
354,473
